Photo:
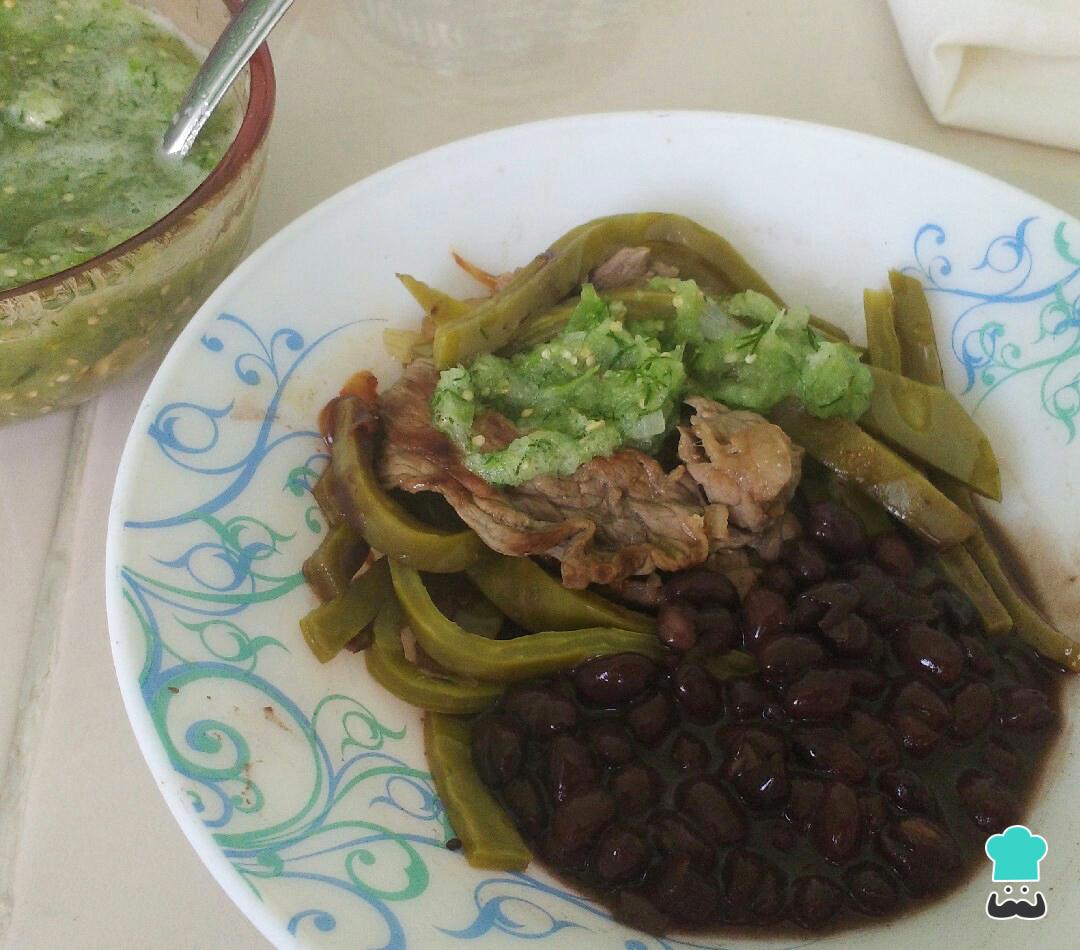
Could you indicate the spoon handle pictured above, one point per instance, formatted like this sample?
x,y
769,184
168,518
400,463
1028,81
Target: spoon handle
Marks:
x,y
228,57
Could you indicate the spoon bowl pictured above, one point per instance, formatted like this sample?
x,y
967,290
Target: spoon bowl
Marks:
x,y
236,45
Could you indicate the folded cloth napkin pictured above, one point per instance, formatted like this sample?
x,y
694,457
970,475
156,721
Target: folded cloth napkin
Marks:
x,y
1006,66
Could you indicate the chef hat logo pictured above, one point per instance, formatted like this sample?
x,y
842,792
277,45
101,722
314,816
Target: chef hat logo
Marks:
x,y
1016,854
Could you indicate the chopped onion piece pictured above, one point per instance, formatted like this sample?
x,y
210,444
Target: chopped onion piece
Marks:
x,y
716,324
647,426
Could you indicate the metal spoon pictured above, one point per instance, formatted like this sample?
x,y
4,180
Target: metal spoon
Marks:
x,y
228,57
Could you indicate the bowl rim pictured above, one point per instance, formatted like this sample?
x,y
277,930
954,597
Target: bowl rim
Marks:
x,y
262,89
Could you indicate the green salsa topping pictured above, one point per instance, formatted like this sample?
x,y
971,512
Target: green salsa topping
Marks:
x,y
87,89
605,382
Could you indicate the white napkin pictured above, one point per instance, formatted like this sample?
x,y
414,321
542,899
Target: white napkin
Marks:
x,y
1006,66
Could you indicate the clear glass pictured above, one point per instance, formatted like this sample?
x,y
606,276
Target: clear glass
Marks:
x,y
66,337
480,37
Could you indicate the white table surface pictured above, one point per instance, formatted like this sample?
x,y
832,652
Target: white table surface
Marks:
x,y
89,856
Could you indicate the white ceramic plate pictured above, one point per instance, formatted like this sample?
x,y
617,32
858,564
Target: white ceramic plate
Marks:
x,y
304,787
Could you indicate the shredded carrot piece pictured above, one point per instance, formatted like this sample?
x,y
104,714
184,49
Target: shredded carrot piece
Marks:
x,y
491,281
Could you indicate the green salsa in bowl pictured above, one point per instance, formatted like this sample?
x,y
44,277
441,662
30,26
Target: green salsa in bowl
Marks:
x,y
106,250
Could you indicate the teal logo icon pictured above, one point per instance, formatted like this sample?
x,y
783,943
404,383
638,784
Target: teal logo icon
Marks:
x,y
1016,854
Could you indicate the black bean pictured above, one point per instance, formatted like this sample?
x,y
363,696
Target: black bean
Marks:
x,y
986,801
932,654
871,890
609,681
818,694
978,655
666,665
806,612
676,626
783,658
973,708
803,802
571,768
925,579
651,719
874,810
689,753
636,788
717,631
498,748
729,737
579,821
815,901
745,699
778,578
774,713
837,529
885,600
837,826
830,751
919,716
1004,760
755,765
865,682
1025,668
544,710
610,742
873,740
893,555
622,855
805,560
753,888
916,735
671,834
835,598
526,802
954,607
1025,709
782,837
907,791
570,854
849,636
764,614
922,852
712,810
696,694
680,892
772,894
701,587
919,698
859,572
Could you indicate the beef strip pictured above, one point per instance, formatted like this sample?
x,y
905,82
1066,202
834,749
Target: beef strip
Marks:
x,y
631,518
628,265
744,464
